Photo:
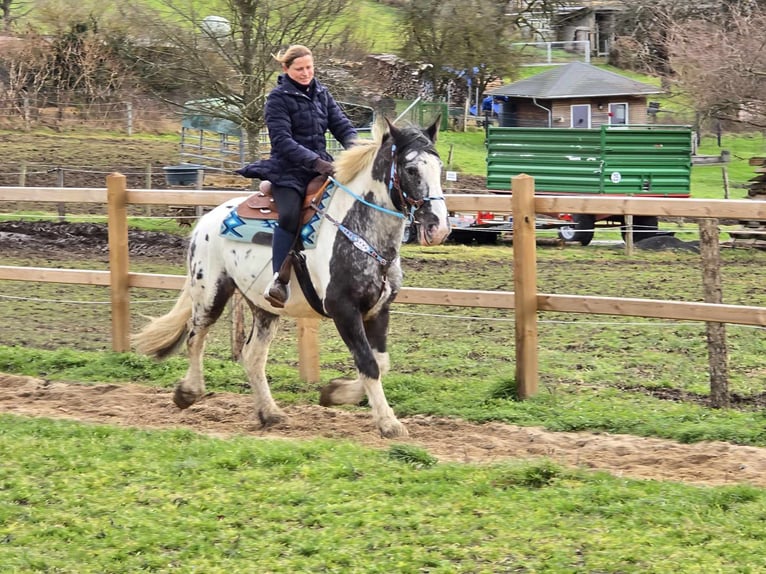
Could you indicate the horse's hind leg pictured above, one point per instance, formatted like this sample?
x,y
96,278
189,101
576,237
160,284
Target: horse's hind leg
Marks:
x,y
207,308
254,355
191,388
355,335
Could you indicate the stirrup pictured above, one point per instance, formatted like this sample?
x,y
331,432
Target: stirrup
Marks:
x,y
277,293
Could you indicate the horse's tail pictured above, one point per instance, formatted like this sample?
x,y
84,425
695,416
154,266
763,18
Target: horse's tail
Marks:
x,y
164,335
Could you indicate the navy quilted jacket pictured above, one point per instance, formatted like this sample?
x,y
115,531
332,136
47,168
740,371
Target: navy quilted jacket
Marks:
x,y
297,123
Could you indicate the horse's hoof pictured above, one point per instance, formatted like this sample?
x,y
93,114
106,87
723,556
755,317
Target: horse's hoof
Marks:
x,y
341,392
184,399
271,419
393,429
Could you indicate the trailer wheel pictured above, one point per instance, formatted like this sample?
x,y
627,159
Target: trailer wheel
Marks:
x,y
581,231
644,227
486,237
409,234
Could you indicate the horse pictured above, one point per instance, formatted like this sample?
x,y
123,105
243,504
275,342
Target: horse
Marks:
x,y
351,275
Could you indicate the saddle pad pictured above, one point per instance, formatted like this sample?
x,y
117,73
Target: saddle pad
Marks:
x,y
259,231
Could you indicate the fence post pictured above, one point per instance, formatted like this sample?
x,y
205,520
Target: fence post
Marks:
x,y
525,283
716,332
148,185
23,175
116,195
308,350
129,113
60,184
629,235
238,330
27,122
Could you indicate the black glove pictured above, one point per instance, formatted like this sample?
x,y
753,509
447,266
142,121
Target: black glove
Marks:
x,y
324,167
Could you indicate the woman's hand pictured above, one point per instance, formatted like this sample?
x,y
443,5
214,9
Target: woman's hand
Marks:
x,y
324,167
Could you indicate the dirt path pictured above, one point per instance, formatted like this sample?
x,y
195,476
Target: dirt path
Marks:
x,y
225,414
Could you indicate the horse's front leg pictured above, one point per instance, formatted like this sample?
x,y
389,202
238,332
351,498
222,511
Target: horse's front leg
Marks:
x,y
355,334
351,392
254,355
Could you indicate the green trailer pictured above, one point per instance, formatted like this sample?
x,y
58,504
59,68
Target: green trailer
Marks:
x,y
639,161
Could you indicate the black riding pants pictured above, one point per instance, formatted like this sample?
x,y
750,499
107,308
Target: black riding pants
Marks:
x,y
289,203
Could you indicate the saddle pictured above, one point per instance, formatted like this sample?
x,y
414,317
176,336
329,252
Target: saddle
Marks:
x,y
261,204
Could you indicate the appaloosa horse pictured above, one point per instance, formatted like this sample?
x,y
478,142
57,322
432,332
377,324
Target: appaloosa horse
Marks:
x,y
348,270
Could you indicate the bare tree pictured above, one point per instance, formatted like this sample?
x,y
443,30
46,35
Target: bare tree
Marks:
x,y
225,59
12,11
642,28
721,65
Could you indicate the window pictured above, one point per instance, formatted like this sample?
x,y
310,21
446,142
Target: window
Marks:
x,y
580,116
618,114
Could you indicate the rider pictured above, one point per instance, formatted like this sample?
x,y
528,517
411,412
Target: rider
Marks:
x,y
299,110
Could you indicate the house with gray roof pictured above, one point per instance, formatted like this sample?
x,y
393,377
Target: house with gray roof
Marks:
x,y
576,95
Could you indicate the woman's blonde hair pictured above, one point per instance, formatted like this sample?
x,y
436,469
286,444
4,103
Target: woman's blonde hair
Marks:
x,y
288,56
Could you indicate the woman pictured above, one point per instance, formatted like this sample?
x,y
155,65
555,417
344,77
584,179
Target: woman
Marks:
x,y
299,110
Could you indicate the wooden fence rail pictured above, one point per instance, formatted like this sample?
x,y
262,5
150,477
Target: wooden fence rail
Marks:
x,y
525,299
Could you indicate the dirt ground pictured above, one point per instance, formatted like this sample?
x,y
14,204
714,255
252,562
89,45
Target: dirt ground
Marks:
x,y
227,414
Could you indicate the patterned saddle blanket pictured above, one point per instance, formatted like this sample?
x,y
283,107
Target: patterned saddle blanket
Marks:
x,y
254,220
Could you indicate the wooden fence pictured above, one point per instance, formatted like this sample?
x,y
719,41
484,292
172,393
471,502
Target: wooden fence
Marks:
x,y
525,299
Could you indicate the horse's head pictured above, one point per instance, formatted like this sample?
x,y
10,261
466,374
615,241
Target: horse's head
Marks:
x,y
415,181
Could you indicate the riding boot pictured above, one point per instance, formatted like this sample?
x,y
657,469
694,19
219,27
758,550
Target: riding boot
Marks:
x,y
278,290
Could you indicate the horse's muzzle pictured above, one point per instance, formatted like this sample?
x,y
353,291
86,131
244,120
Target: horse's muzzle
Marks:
x,y
434,231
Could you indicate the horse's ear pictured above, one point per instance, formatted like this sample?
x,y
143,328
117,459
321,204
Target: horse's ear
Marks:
x,y
392,129
433,129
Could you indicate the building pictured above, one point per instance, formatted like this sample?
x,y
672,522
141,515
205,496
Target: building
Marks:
x,y
576,95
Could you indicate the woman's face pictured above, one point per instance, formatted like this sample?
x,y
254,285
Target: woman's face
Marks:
x,y
301,70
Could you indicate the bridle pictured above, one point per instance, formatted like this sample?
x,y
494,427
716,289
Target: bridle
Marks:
x,y
399,196
406,206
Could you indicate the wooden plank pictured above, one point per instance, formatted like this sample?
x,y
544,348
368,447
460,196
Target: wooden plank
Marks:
x,y
53,194
677,207
677,310
52,275
472,202
456,298
182,197
658,309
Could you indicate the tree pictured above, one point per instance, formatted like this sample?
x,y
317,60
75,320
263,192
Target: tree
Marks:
x,y
227,61
471,37
642,28
720,64
12,11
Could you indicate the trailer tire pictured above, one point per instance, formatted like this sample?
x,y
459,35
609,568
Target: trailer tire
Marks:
x,y
581,230
409,234
486,237
644,227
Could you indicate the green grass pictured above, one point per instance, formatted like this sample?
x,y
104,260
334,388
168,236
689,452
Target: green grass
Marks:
x,y
90,499
466,149
707,181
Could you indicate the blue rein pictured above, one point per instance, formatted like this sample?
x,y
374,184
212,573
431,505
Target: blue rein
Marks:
x,y
360,199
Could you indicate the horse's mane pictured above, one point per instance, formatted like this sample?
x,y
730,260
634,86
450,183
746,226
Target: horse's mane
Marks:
x,y
359,157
